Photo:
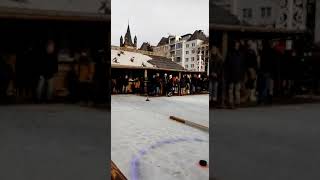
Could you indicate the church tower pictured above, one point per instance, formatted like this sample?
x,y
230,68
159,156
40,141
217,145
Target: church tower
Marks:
x,y
127,41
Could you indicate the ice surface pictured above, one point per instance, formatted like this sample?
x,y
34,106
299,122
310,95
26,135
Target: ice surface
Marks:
x,y
143,137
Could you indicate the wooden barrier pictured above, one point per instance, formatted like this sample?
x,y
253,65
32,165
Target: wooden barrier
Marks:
x,y
189,123
116,174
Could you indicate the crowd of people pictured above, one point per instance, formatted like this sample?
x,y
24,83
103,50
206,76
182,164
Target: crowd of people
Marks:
x,y
256,72
161,85
31,74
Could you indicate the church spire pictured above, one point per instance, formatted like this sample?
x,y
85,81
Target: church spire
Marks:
x,y
127,37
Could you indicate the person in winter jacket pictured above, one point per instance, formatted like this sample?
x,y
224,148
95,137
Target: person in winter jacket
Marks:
x,y
48,67
234,71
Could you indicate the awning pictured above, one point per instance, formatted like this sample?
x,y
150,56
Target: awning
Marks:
x,y
24,13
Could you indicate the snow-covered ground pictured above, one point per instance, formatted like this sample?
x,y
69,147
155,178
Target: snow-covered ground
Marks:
x,y
146,144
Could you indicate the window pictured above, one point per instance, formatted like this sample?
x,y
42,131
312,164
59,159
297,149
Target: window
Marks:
x,y
192,58
186,66
192,65
187,45
179,45
193,44
269,12
247,13
187,52
263,12
179,53
187,59
266,12
193,51
178,59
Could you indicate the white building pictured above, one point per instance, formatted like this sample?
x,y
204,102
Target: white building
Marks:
x,y
186,50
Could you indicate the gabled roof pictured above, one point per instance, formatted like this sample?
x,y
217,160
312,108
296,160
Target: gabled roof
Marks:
x,y
135,60
219,15
164,63
198,34
186,35
163,41
146,47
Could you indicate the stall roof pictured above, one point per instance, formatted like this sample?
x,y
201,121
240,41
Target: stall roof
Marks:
x,y
93,10
134,60
164,63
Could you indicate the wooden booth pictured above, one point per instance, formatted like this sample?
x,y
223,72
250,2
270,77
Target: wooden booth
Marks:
x,y
73,27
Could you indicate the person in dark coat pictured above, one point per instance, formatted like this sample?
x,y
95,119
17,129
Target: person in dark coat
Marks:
x,y
48,67
267,73
251,67
183,85
165,84
216,76
234,71
119,85
193,84
27,76
100,78
125,84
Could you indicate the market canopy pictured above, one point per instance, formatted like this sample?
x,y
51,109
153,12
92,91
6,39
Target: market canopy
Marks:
x,y
97,10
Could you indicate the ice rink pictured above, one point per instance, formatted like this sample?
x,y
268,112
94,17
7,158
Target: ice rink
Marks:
x,y
146,144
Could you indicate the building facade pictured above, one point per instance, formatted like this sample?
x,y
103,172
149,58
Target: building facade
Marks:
x,y
189,50
287,14
163,48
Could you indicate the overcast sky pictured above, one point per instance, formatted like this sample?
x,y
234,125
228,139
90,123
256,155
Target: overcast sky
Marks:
x,y
152,19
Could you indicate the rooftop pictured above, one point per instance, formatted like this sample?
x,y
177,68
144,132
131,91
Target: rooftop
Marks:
x,y
121,58
218,15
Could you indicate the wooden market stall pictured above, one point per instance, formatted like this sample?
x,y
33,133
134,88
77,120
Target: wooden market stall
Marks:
x,y
73,26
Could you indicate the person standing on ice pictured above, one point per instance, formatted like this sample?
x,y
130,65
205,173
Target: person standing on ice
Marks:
x,y
234,71
48,67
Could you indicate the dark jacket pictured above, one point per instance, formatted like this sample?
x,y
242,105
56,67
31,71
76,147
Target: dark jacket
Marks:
x,y
183,82
48,65
234,66
268,62
251,59
217,65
